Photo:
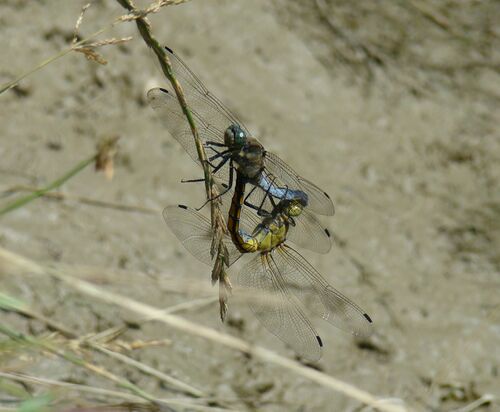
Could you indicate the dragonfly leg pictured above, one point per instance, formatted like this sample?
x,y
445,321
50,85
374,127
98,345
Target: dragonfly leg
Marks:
x,y
285,196
192,180
271,197
246,202
259,210
219,154
229,185
222,163
216,144
212,149
215,170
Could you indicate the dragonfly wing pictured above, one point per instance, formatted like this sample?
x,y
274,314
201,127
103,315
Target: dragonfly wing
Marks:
x,y
210,123
310,234
325,300
319,201
276,308
195,90
195,233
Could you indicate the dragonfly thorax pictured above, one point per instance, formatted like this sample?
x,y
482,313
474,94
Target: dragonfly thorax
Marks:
x,y
249,160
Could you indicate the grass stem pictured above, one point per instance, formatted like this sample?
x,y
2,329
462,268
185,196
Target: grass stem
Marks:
x,y
16,204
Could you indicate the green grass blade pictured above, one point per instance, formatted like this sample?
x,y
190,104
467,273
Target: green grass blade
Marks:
x,y
16,204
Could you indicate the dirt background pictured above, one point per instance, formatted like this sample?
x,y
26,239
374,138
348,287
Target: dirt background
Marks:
x,y
391,107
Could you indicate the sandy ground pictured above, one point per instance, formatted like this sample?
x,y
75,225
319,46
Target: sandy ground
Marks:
x,y
391,108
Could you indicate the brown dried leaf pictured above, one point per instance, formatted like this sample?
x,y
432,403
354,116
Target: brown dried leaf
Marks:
x,y
217,270
91,54
106,149
225,288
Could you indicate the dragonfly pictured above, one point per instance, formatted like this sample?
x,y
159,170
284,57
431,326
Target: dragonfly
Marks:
x,y
230,145
279,276
302,227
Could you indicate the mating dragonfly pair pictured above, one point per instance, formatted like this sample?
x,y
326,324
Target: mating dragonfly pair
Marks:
x,y
278,209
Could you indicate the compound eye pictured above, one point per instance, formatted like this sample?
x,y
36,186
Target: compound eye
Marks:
x,y
240,136
295,210
229,137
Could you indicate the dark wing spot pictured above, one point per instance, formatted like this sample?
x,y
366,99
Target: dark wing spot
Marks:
x,y
164,90
224,185
326,194
327,232
183,206
169,49
319,341
367,317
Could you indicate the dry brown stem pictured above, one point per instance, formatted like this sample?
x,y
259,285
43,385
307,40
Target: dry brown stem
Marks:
x,y
219,252
26,265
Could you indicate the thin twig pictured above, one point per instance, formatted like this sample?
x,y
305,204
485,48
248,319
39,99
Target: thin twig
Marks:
x,y
483,400
186,305
81,388
153,8
86,200
9,304
103,159
106,392
51,186
26,339
199,330
149,370
218,250
93,344
62,53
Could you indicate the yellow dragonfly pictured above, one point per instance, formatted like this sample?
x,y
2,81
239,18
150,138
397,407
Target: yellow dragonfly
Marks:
x,y
276,270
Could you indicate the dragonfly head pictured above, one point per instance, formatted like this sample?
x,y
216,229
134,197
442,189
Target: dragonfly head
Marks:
x,y
291,207
234,136
295,208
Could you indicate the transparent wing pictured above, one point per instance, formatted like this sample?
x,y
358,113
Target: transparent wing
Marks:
x,y
196,90
211,117
319,201
249,219
323,299
195,233
210,123
276,308
309,233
